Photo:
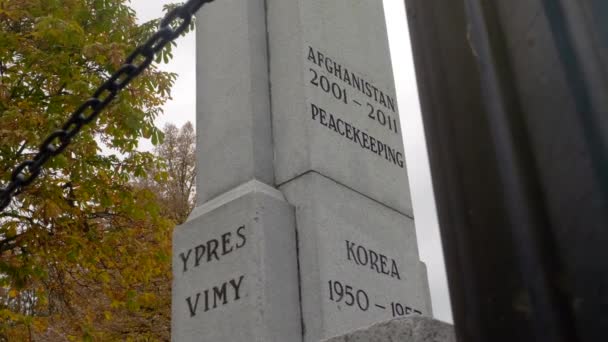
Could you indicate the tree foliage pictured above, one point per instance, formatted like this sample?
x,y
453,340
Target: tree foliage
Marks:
x,y
84,253
174,181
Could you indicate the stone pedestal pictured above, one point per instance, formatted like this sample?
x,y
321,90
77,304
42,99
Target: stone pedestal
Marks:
x,y
415,329
358,259
235,270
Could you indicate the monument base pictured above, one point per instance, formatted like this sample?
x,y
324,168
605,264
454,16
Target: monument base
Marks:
x,y
235,270
358,259
412,329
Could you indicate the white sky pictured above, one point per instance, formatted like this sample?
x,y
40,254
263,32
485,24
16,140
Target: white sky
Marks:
x,y
182,109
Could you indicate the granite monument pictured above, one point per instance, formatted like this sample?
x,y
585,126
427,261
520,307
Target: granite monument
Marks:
x,y
304,228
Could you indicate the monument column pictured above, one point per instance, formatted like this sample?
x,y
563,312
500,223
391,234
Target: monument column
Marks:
x,y
304,227
339,159
234,260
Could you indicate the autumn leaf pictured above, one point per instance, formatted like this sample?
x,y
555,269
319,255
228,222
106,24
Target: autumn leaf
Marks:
x,y
85,250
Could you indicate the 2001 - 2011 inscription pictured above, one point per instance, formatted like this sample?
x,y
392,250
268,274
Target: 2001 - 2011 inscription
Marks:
x,y
340,292
328,77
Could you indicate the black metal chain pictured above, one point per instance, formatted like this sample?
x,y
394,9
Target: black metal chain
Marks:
x,y
171,27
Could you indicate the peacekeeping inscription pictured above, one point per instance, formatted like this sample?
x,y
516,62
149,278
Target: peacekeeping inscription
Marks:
x,y
211,251
340,83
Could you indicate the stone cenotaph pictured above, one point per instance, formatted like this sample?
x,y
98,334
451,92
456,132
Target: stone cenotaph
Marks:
x,y
304,228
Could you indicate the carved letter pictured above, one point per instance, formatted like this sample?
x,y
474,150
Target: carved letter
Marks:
x,y
185,259
323,119
383,265
350,252
395,271
320,58
212,246
362,251
219,293
226,243
237,287
315,111
240,234
373,260
199,253
311,55
193,309
332,123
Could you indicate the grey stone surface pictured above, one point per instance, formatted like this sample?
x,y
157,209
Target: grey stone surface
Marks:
x,y
297,94
233,101
330,75
412,329
235,270
349,243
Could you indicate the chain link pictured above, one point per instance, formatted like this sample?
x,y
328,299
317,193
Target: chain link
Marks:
x,y
171,27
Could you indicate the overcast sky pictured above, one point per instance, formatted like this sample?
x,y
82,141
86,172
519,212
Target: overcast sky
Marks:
x,y
182,109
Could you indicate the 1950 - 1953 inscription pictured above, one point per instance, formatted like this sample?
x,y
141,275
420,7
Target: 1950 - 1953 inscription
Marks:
x,y
359,298
214,250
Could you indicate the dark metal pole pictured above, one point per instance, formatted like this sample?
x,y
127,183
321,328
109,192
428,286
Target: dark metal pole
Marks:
x,y
515,106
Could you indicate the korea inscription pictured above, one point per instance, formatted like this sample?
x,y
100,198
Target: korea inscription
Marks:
x,y
376,262
358,259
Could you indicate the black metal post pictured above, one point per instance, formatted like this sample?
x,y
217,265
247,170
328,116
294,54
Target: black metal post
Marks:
x,y
514,97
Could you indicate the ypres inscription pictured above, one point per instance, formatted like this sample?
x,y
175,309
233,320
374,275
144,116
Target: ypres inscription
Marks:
x,y
214,249
209,251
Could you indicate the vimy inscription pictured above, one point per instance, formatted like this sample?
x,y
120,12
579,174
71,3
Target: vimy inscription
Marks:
x,y
217,296
214,249
304,226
